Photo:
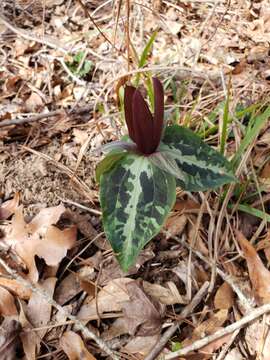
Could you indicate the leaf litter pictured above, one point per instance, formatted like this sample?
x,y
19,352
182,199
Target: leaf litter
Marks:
x,y
61,249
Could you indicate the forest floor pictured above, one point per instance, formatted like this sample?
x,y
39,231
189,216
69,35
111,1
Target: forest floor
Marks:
x,y
200,289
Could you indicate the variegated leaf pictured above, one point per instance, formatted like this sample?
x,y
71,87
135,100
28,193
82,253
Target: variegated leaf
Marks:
x,y
166,162
136,197
108,162
202,167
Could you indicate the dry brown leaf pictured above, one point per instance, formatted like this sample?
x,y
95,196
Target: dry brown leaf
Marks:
x,y
265,173
80,136
224,298
265,245
215,345
8,207
257,338
12,83
195,239
234,354
167,296
9,331
142,313
141,344
73,346
212,324
67,289
185,206
207,327
38,314
40,237
109,299
175,224
7,305
34,103
16,288
118,328
259,275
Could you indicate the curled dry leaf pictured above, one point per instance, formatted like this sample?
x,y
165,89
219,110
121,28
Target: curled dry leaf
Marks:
x,y
259,275
175,224
8,207
167,296
224,298
39,237
34,103
7,305
16,288
186,206
142,313
73,346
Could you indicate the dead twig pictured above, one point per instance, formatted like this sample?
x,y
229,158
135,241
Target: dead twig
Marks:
x,y
185,312
38,117
31,119
85,331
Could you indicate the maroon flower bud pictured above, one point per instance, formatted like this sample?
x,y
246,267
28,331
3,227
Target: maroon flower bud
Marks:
x,y
144,128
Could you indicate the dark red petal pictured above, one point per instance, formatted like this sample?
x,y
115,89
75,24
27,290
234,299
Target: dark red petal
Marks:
x,y
143,124
158,110
128,96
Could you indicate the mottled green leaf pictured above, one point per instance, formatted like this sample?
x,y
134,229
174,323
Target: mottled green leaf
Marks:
x,y
202,167
166,162
108,162
136,197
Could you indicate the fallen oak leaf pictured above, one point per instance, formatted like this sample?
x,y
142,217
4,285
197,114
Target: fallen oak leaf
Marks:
x,y
259,275
142,313
73,346
37,314
39,237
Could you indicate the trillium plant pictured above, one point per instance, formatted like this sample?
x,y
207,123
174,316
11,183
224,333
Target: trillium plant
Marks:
x,y
139,175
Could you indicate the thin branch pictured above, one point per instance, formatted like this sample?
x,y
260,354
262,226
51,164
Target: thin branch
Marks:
x,y
38,117
28,35
85,331
31,119
253,315
185,312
